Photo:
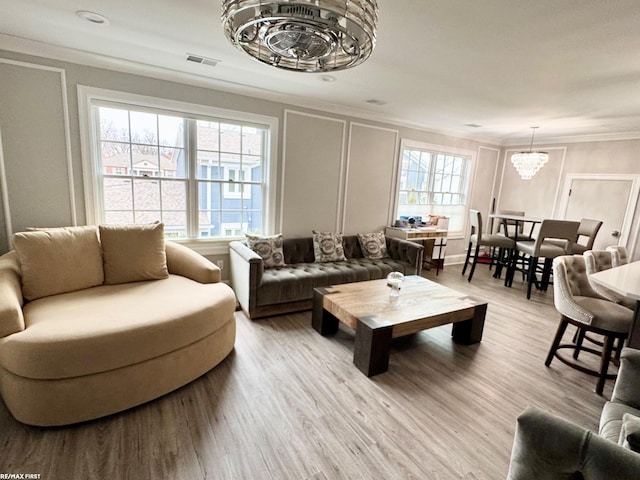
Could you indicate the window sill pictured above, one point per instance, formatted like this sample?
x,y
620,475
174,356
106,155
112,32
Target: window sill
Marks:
x,y
208,246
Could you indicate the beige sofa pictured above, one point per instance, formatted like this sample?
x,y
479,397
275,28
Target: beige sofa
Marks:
x,y
90,352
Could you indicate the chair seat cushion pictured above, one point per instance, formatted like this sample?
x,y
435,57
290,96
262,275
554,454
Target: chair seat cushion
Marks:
x,y
499,241
607,315
112,326
547,250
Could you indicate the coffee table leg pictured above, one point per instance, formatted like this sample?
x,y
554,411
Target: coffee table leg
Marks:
x,y
470,331
371,351
321,320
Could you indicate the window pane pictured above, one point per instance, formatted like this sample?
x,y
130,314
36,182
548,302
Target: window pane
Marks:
x,y
146,194
171,131
117,194
208,135
174,196
147,216
116,158
144,127
118,218
209,166
252,140
144,159
230,138
114,124
253,165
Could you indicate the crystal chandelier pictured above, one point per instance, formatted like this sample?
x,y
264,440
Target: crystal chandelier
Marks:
x,y
528,163
303,35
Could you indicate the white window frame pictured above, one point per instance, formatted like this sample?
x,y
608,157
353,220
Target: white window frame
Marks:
x,y
89,142
406,144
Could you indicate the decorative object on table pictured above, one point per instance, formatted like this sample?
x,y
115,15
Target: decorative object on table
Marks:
x,y
528,163
395,279
303,36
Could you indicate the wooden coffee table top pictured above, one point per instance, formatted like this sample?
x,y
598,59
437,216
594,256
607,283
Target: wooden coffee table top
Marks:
x,y
422,304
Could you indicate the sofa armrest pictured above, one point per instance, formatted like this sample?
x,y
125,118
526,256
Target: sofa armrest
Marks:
x,y
406,251
185,262
11,300
547,447
246,275
627,387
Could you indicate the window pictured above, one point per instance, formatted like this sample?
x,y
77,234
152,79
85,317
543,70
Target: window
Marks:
x,y
434,181
188,167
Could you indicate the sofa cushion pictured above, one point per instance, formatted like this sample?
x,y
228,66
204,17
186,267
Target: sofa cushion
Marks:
x,y
269,248
630,432
133,253
327,247
58,260
296,282
611,419
113,326
373,245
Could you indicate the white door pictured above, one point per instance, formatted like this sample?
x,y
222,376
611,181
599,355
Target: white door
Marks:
x,y
610,198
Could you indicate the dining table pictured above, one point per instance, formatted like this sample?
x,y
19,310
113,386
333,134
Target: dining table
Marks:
x,y
624,280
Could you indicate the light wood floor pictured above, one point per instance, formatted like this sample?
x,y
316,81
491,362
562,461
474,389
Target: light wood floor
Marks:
x,y
289,404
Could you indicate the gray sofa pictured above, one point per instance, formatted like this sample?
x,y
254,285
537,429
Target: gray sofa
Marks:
x,y
271,291
547,447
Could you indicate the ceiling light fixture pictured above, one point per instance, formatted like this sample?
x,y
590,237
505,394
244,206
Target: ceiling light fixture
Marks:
x,y
528,163
303,35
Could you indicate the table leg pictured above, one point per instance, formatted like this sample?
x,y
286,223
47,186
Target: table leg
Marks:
x,y
470,331
634,335
371,352
321,320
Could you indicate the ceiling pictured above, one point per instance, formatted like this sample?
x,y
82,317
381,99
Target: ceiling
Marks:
x,y
570,66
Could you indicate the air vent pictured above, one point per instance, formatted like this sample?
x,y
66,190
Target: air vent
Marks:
x,y
373,101
203,60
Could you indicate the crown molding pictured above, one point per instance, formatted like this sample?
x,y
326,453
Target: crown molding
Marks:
x,y
593,137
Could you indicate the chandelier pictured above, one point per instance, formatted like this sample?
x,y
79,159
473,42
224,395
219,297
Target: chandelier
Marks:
x,y
303,35
528,163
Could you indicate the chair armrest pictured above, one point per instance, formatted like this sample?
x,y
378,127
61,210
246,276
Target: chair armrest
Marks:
x,y
11,300
185,262
246,275
627,387
547,447
406,251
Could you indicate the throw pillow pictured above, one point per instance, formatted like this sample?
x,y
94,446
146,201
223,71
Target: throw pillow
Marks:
x,y
58,260
269,248
373,245
327,247
133,253
630,432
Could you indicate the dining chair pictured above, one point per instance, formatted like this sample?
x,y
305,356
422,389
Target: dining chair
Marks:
x,y
499,244
587,228
619,255
579,305
508,227
563,230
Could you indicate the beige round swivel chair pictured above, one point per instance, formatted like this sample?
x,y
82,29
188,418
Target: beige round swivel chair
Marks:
x,y
581,306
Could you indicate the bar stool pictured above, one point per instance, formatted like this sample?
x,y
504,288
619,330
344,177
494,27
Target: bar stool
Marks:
x,y
581,306
499,242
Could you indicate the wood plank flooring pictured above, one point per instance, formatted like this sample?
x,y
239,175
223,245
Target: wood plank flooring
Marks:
x,y
289,404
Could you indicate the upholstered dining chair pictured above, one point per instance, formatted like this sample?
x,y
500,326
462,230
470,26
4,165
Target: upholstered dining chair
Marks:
x,y
508,227
619,255
562,230
579,305
499,244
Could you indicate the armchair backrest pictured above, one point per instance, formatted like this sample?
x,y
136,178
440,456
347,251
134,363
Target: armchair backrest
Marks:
x,y
570,280
618,255
597,261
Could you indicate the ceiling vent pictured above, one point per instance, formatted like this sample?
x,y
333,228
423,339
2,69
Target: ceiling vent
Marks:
x,y
212,62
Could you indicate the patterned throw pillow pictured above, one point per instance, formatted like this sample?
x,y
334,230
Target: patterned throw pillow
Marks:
x,y
327,247
373,245
269,248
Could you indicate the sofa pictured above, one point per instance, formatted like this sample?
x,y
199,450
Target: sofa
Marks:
x,y
108,327
264,291
547,447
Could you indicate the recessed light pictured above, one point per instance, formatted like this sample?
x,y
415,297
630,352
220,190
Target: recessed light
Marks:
x,y
93,17
472,125
373,101
327,78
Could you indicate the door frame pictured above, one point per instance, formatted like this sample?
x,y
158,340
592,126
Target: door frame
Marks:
x,y
632,203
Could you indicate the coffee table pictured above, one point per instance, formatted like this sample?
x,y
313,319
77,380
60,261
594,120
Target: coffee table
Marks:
x,y
377,318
